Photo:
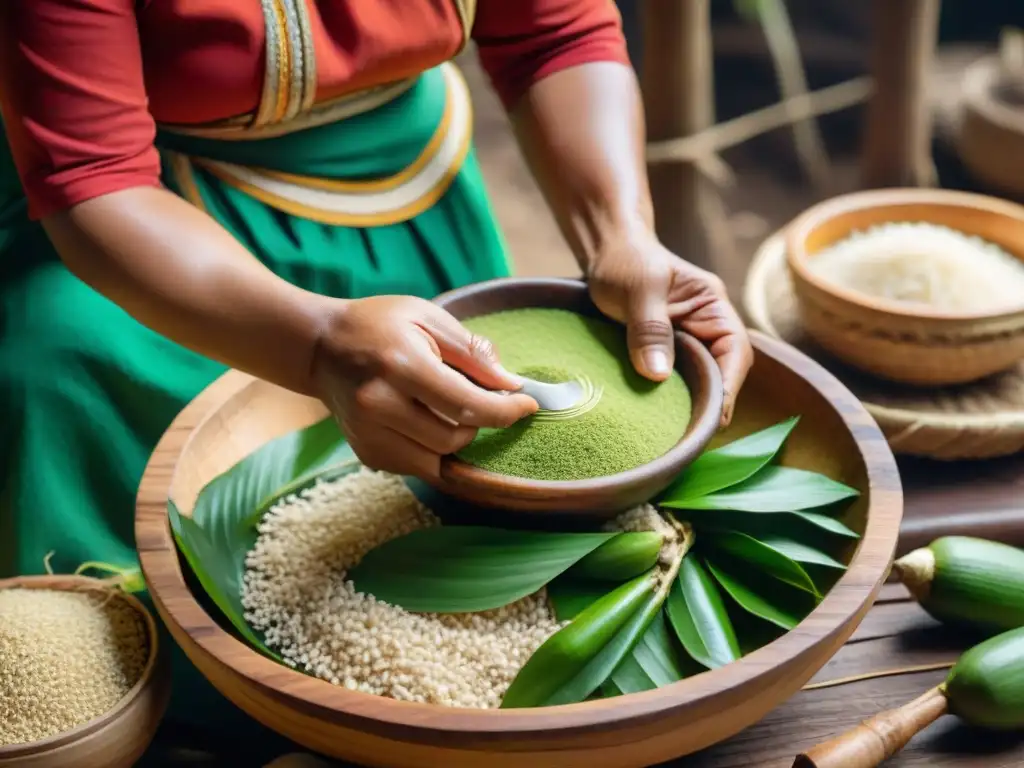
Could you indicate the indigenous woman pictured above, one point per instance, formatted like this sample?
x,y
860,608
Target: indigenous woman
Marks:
x,y
279,186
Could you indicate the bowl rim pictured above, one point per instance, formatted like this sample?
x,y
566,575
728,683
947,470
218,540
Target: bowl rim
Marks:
x,y
979,81
75,583
800,228
838,614
699,431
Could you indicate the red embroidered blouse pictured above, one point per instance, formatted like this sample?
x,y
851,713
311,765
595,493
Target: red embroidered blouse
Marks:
x,y
84,82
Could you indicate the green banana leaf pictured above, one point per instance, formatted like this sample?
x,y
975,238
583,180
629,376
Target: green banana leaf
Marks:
x,y
276,469
826,523
773,489
214,563
731,464
697,613
222,529
779,605
654,662
813,527
569,597
463,569
574,662
601,666
799,552
768,561
622,558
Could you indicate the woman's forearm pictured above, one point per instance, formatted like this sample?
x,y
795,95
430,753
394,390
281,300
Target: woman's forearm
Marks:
x,y
177,271
582,132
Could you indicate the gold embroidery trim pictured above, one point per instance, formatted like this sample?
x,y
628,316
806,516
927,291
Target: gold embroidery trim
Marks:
x,y
184,177
457,117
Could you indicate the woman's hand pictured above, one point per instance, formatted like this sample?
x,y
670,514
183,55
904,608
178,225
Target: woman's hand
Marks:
x,y
398,373
640,283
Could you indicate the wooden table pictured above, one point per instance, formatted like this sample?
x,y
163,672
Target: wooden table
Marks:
x,y
975,498
980,498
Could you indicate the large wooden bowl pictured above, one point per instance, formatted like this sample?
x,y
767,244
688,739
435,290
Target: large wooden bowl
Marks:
x,y
119,737
606,495
911,345
237,414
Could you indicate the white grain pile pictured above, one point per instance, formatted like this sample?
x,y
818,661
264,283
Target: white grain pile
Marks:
x,y
296,591
924,264
65,658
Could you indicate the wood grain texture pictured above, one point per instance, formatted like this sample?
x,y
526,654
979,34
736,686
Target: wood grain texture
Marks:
x,y
898,123
896,635
599,496
921,346
237,414
118,738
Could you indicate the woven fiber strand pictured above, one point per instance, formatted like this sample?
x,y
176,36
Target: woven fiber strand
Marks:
x,y
981,420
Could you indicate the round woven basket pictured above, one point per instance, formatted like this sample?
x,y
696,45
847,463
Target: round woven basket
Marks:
x,y
990,141
975,421
922,346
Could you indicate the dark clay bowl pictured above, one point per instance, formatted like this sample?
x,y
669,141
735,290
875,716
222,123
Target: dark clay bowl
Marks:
x,y
599,496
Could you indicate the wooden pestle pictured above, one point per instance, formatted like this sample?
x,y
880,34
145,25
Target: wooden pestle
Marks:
x,y
878,738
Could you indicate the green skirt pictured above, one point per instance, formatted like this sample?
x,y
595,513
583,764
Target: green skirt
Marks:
x,y
86,391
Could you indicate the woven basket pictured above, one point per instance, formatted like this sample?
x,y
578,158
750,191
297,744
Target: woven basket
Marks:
x,y
909,345
980,420
990,140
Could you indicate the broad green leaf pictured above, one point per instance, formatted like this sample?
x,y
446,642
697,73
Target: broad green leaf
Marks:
x,y
217,567
767,561
653,663
282,466
570,597
774,489
699,617
800,552
827,523
623,557
465,569
783,607
731,464
222,529
568,664
603,664
811,527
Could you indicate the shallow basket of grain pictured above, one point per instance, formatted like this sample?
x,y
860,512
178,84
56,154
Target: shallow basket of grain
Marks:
x,y
919,286
84,681
395,722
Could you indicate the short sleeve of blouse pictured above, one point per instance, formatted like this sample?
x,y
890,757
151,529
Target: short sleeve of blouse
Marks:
x,y
523,41
73,100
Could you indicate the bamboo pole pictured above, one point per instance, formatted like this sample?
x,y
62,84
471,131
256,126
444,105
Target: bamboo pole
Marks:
x,y
677,81
898,130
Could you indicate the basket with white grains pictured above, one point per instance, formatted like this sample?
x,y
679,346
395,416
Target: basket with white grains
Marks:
x,y
918,286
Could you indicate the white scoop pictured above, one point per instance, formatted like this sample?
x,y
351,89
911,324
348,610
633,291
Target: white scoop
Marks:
x,y
553,397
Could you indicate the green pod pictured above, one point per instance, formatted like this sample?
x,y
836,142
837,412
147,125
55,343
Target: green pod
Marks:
x,y
986,686
568,651
968,581
624,557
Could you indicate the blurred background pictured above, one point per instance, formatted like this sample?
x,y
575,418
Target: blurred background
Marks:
x,y
761,183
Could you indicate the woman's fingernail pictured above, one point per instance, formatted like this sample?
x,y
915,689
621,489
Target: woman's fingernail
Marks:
x,y
656,361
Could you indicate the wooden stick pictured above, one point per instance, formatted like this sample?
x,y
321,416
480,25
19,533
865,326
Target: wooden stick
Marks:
x,y
879,738
898,130
740,129
677,83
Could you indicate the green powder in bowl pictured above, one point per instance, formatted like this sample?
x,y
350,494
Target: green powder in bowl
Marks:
x,y
627,420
